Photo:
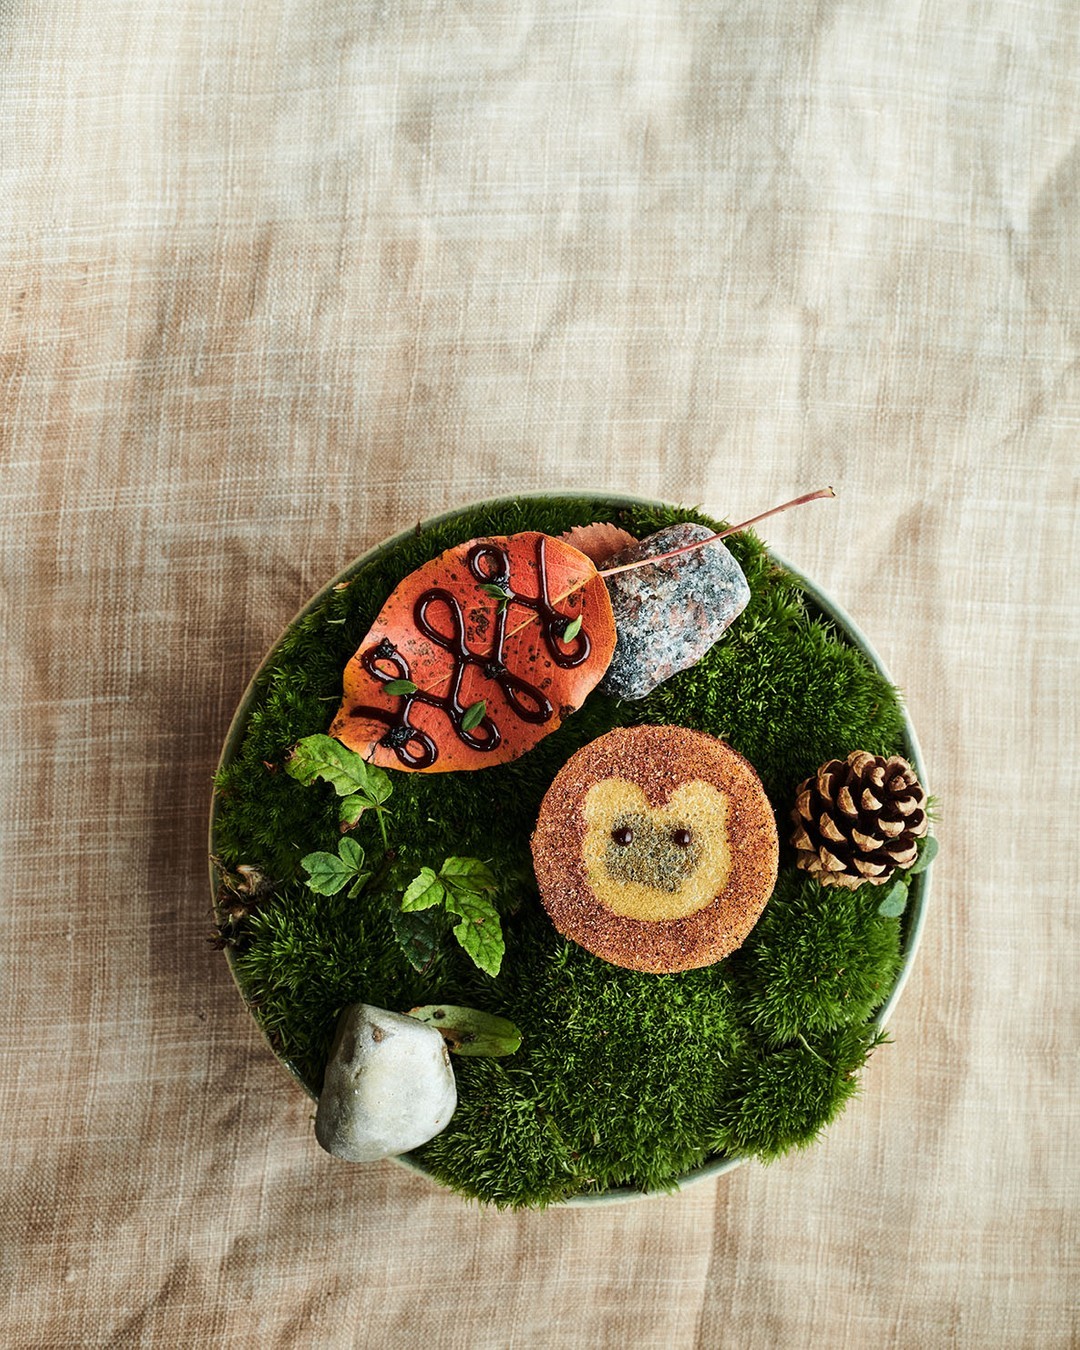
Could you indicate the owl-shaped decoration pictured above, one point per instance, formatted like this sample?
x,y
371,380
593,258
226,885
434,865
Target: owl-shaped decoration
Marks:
x,y
656,849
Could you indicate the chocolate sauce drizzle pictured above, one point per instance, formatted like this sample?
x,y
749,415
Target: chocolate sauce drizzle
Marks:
x,y
489,565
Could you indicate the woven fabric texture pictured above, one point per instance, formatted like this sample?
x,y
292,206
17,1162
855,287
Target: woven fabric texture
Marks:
x,y
282,278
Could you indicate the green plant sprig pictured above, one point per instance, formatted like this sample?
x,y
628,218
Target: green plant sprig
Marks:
x,y
461,887
361,786
329,873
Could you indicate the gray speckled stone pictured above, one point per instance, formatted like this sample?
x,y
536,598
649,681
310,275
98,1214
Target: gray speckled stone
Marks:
x,y
388,1087
667,616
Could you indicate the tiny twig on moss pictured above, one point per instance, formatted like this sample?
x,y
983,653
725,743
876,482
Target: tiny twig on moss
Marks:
x,y
807,1046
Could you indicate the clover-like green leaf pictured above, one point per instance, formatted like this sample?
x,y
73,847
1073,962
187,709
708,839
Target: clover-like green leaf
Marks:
x,y
572,629
351,854
461,886
351,808
479,932
362,786
322,757
399,687
329,873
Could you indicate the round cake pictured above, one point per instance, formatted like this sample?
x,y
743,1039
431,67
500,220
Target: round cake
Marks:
x,y
656,848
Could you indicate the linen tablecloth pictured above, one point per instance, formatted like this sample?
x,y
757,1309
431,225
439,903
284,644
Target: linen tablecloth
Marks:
x,y
281,278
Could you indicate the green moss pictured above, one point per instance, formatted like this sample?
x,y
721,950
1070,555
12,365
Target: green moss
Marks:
x,y
818,959
306,956
610,1053
784,1098
623,1079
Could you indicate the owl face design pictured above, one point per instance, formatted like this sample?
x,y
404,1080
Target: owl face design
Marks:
x,y
655,848
655,863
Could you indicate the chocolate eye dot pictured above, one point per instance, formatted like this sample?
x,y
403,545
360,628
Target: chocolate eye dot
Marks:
x,y
623,836
681,837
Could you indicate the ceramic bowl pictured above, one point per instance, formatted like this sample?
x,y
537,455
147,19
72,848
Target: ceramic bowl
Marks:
x,y
919,891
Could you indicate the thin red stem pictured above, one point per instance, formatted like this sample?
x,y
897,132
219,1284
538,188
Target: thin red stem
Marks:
x,y
713,538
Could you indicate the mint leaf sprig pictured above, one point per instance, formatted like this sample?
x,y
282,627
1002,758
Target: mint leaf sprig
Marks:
x,y
462,886
361,786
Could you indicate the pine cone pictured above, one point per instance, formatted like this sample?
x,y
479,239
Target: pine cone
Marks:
x,y
858,820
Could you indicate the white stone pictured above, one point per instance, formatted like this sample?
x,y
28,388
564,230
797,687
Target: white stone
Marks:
x,y
388,1088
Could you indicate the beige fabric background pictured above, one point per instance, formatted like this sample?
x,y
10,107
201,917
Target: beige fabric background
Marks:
x,y
281,277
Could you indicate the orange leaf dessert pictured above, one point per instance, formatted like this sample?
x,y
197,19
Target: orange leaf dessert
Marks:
x,y
477,655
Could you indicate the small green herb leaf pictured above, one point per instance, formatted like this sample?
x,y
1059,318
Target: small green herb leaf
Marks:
x,y
323,757
363,786
462,886
350,809
351,854
928,848
471,873
497,592
473,715
399,687
423,891
468,1031
894,901
419,934
479,931
329,873
572,629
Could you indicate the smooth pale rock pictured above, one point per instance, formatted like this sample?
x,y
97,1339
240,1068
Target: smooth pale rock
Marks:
x,y
668,615
388,1088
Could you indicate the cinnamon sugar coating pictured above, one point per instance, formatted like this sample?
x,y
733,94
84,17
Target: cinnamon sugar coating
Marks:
x,y
739,853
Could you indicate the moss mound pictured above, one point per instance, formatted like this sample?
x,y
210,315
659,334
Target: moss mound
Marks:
x,y
623,1079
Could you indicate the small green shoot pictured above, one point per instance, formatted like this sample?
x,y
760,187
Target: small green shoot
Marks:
x,y
474,715
497,592
402,687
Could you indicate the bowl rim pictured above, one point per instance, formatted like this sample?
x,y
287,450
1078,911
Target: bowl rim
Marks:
x,y
915,914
